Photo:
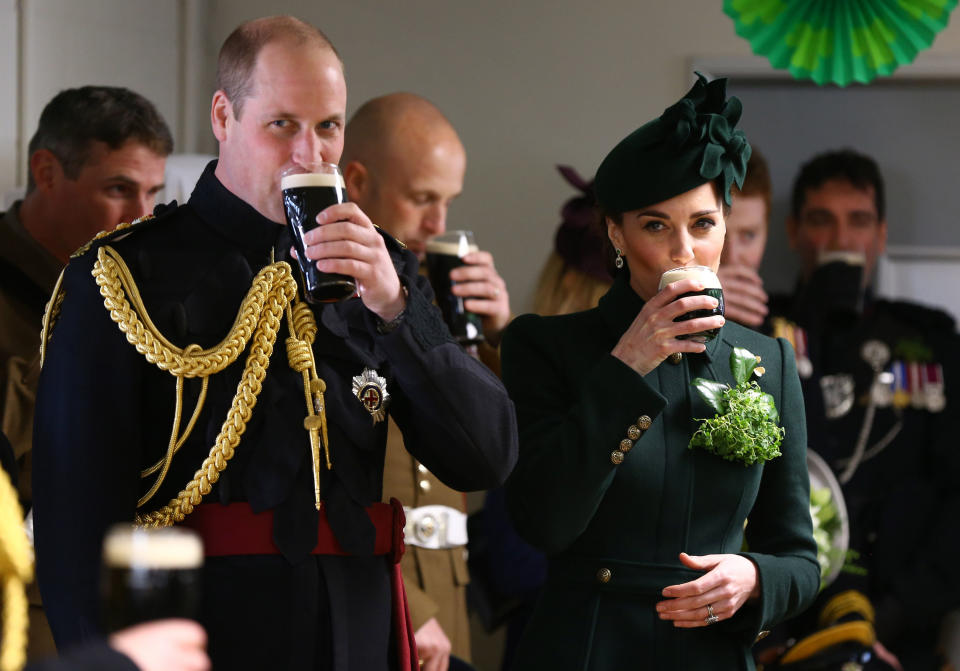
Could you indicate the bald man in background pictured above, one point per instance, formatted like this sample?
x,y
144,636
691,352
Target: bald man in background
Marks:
x,y
403,164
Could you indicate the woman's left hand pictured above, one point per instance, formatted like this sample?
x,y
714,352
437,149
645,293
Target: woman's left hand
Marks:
x,y
727,584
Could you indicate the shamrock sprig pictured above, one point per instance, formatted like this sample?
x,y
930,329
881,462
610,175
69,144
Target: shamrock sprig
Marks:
x,y
745,427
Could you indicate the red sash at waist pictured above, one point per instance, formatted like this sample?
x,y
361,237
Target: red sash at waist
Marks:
x,y
234,529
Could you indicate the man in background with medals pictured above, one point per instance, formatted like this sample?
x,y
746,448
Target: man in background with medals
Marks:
x,y
879,380
187,381
404,164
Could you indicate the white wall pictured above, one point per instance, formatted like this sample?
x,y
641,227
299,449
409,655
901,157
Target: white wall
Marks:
x,y
50,45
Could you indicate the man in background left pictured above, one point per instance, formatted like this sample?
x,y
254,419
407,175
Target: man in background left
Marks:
x,y
97,159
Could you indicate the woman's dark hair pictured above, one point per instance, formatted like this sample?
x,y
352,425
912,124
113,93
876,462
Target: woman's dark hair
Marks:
x,y
859,170
76,118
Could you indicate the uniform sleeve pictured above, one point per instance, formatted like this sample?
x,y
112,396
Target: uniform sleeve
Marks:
x,y
779,531
86,454
566,435
94,657
455,414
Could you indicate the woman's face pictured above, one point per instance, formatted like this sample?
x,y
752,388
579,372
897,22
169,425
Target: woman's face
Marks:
x,y
686,230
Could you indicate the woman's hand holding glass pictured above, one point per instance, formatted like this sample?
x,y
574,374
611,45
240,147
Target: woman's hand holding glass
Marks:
x,y
652,336
730,580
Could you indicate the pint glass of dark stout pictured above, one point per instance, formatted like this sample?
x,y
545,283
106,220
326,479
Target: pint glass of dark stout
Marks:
x,y
150,574
712,288
305,195
444,253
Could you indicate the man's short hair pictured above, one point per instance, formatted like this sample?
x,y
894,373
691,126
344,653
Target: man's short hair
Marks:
x,y
238,55
76,118
859,170
757,181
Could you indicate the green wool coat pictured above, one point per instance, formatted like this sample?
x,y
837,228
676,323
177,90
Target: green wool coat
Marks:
x,y
613,533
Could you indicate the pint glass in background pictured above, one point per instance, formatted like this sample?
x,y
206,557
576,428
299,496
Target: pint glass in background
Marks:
x,y
150,574
305,194
711,284
444,253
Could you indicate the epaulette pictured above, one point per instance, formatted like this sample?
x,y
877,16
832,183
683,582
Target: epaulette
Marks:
x,y
924,316
122,230
391,242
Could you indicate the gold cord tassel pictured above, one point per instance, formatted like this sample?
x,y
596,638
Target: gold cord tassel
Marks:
x,y
273,293
15,571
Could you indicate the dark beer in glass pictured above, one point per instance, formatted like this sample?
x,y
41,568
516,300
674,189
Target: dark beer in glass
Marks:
x,y
711,284
305,195
150,574
444,253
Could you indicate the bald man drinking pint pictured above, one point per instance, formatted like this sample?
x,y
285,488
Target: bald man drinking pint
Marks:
x,y
404,164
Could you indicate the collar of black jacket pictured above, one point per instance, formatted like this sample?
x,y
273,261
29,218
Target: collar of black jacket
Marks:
x,y
621,304
230,216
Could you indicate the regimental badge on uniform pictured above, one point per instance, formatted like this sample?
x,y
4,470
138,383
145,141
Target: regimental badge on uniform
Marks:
x,y
371,390
838,394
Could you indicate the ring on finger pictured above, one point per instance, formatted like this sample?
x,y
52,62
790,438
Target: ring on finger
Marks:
x,y
711,617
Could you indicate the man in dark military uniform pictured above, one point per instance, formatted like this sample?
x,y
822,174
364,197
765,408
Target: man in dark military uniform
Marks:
x,y
403,164
879,380
281,440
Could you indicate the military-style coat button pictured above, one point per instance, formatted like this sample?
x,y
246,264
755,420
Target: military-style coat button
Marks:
x,y
616,457
604,575
424,486
422,469
762,635
633,433
625,445
644,422
676,357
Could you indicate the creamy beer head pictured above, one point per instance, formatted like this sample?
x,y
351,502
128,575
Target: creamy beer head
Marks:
x,y
851,258
452,243
307,179
702,273
171,548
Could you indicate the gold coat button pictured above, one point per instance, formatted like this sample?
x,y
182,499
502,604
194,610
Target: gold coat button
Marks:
x,y
644,422
424,486
604,575
616,457
422,469
625,445
676,357
633,433
762,635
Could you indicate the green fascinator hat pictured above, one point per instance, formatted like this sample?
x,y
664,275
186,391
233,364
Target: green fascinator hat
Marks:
x,y
693,142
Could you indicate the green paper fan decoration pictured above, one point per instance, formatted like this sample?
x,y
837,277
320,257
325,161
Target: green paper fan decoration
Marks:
x,y
839,41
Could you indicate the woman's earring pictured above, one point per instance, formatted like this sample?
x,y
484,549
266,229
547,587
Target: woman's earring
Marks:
x,y
619,262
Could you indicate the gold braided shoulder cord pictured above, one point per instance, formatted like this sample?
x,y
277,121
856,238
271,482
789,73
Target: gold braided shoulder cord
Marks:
x,y
273,292
16,569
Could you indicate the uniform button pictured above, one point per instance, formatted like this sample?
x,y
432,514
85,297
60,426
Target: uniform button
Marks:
x,y
422,469
633,433
604,575
424,486
616,457
625,445
762,635
676,357
644,422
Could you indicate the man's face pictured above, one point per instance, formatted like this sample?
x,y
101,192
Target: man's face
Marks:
x,y
409,194
837,216
112,187
294,116
746,236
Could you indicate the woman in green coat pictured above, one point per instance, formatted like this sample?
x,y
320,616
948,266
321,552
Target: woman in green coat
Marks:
x,y
645,535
